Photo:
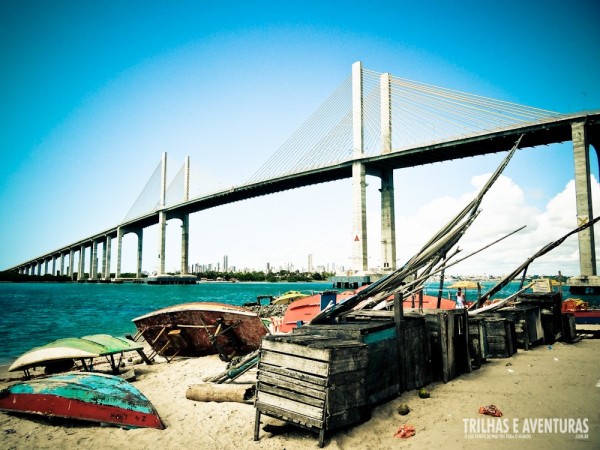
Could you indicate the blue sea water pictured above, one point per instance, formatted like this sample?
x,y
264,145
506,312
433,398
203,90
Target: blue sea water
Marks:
x,y
34,314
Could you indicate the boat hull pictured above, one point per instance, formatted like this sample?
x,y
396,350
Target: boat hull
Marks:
x,y
589,317
73,348
205,329
89,397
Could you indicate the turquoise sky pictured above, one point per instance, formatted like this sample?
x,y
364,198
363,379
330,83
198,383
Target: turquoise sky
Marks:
x,y
93,92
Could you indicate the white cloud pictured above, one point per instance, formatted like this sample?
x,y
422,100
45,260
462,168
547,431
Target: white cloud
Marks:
x,y
504,209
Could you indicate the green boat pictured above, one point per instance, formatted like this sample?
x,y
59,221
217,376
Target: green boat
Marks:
x,y
69,349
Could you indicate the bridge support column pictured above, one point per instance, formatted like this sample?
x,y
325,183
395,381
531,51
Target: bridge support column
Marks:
x,y
162,241
53,265
388,222
106,258
583,195
46,261
388,216
62,263
81,262
359,185
94,261
185,220
185,243
140,236
71,258
119,252
162,217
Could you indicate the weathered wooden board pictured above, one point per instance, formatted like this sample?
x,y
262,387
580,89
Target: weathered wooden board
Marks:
x,y
569,327
312,381
551,309
298,363
478,343
528,323
448,336
501,337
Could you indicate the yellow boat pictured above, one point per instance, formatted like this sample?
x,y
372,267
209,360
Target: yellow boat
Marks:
x,y
288,298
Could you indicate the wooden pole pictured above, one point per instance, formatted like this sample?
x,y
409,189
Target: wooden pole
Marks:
x,y
398,320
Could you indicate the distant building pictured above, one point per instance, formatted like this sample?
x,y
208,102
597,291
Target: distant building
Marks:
x,y
310,262
225,263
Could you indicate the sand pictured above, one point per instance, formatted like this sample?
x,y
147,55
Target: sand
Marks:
x,y
557,382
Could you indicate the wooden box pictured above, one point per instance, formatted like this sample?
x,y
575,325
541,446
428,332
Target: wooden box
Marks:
x,y
569,327
448,336
550,305
527,320
478,343
501,337
312,381
384,368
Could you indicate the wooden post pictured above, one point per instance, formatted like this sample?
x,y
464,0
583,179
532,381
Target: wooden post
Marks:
x,y
398,320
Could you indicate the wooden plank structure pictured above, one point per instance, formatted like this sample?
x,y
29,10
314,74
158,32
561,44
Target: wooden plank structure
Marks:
x,y
527,321
312,381
569,328
501,337
550,305
478,341
449,343
378,331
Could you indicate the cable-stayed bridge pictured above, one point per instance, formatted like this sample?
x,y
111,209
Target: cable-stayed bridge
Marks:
x,y
372,124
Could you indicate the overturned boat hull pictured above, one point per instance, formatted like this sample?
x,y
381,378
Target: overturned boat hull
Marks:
x,y
202,328
73,349
83,396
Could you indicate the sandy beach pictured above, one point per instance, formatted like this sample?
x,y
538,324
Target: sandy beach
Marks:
x,y
559,382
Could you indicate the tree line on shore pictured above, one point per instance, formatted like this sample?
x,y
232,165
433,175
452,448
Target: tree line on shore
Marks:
x,y
282,275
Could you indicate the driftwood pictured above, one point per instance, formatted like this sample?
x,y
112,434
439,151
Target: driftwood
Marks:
x,y
236,370
210,392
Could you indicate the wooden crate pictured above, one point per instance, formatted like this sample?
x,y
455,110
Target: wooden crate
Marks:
x,y
528,323
478,344
550,305
312,381
448,336
569,328
384,368
501,337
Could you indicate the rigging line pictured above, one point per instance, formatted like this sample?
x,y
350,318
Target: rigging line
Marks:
x,y
414,84
142,197
486,105
465,110
323,149
292,143
428,126
450,123
442,122
402,126
439,107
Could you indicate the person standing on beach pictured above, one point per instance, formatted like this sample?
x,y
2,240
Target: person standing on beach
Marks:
x,y
460,299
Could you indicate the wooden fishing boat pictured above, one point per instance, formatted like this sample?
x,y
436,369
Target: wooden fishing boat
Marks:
x,y
69,349
202,328
83,396
303,310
